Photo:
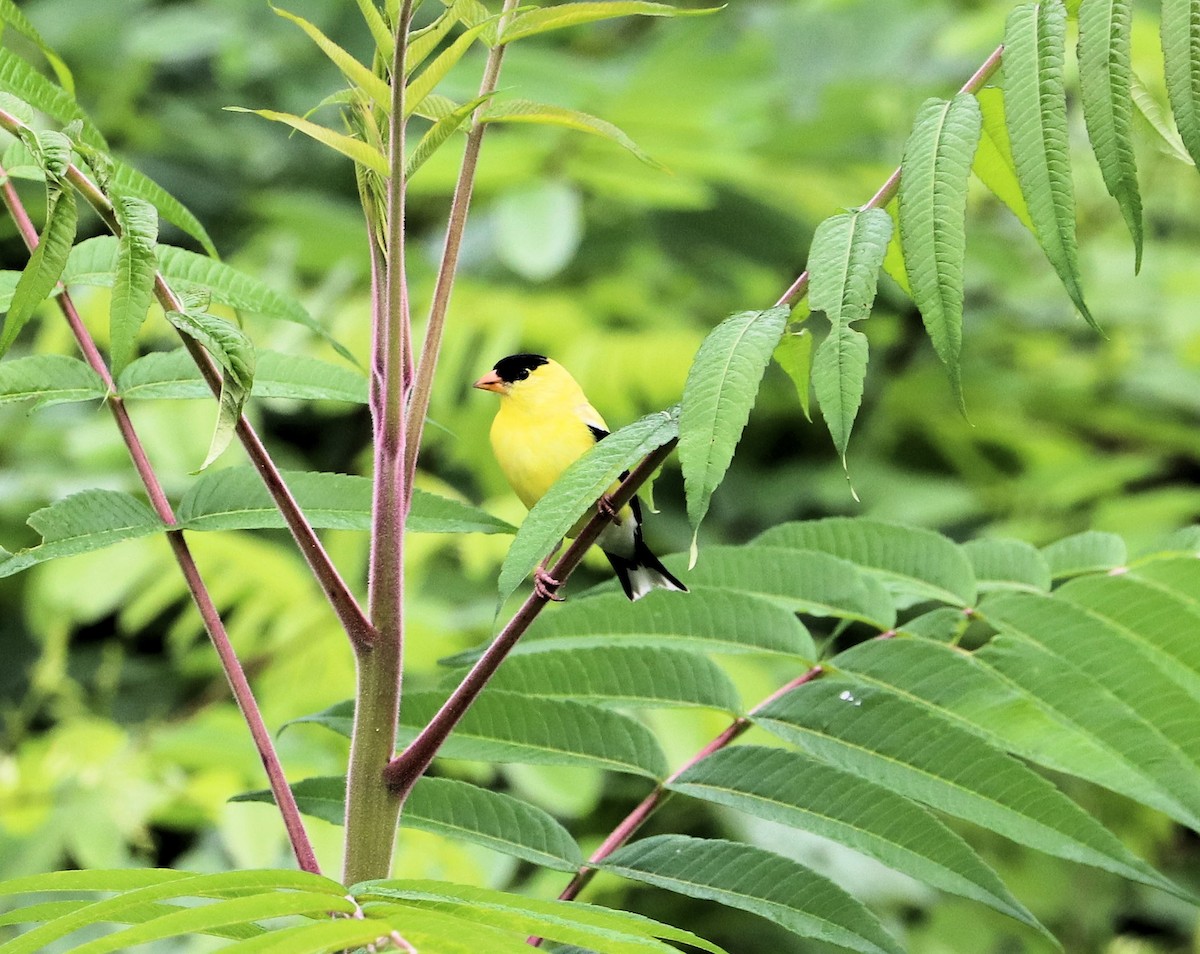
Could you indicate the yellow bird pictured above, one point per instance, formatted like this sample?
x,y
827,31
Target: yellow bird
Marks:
x,y
543,425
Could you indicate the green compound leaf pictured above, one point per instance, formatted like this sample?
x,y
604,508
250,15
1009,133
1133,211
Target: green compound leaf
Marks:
x,y
1036,112
796,790
844,261
89,520
236,499
456,810
576,492
1180,40
721,387
757,881
933,209
133,287
1105,80
49,379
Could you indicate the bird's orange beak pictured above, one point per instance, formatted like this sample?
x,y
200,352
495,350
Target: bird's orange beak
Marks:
x,y
490,382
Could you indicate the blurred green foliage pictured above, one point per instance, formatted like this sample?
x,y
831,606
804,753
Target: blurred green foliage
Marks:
x,y
120,743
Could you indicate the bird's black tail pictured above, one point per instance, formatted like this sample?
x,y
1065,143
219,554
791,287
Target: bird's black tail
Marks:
x,y
642,572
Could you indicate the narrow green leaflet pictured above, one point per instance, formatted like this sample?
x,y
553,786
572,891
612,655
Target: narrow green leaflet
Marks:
x,y
363,154
49,379
116,879
236,499
563,15
1180,39
457,810
570,922
416,91
794,354
174,375
1105,76
1168,140
994,164
507,727
721,387
27,84
359,76
421,43
48,910
628,676
12,16
133,286
526,111
914,564
234,352
921,755
709,620
128,181
1008,565
793,789
89,520
933,211
439,132
803,581
576,492
94,262
1036,112
1087,552
844,261
45,265
757,881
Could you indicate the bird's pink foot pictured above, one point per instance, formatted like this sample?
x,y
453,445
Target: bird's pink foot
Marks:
x,y
606,507
545,586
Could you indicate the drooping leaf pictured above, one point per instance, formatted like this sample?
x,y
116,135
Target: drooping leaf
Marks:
x,y
627,676
754,880
1036,113
234,352
85,521
1008,564
1085,552
914,564
794,354
847,252
46,263
793,789
1180,27
608,930
457,810
526,111
576,492
542,20
933,208
1168,140
359,76
349,146
49,379
1104,80
174,375
12,16
24,82
236,499
133,286
721,387
994,163
507,727
921,755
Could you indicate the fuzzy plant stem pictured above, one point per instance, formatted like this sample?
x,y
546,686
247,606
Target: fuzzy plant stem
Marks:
x,y
404,770
459,207
887,191
635,819
242,693
372,809
349,613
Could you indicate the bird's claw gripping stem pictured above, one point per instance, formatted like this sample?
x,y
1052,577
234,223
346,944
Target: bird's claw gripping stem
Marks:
x,y
606,507
546,586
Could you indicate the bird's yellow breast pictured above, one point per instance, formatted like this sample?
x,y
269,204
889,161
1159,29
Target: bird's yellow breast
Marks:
x,y
534,448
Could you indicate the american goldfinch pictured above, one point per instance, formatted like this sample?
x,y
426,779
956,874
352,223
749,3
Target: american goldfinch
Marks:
x,y
543,425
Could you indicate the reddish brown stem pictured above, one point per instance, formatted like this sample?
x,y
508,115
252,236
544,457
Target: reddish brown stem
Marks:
x,y
242,692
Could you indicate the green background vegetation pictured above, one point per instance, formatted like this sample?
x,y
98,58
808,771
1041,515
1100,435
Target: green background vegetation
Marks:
x,y
120,745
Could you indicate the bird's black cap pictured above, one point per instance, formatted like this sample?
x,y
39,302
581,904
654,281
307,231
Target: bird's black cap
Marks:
x,y
516,367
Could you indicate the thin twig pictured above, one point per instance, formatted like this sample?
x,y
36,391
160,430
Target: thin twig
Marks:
x,y
404,770
460,205
242,692
349,613
799,288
